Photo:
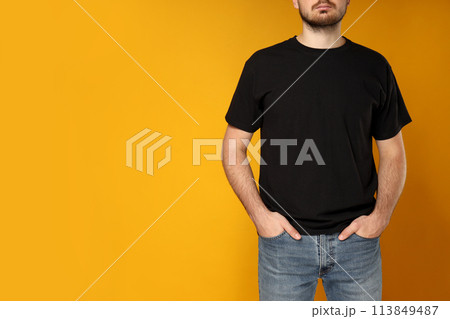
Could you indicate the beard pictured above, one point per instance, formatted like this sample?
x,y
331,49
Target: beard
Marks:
x,y
320,21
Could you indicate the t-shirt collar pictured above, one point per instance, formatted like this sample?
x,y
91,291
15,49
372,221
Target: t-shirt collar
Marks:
x,y
295,43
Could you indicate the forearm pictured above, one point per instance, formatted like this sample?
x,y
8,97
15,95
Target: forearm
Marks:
x,y
391,180
241,180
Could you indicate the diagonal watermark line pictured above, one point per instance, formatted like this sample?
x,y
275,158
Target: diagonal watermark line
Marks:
x,y
320,56
334,260
137,63
136,240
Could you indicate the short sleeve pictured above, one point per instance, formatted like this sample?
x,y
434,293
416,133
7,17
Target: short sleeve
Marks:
x,y
391,115
244,111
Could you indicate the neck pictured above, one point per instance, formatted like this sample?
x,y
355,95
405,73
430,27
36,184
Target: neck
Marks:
x,y
323,38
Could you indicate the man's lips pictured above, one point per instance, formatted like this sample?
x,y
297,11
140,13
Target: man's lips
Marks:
x,y
323,7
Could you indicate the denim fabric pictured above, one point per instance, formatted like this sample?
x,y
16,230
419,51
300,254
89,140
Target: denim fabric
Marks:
x,y
289,269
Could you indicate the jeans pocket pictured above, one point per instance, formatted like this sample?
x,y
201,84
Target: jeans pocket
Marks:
x,y
365,238
274,237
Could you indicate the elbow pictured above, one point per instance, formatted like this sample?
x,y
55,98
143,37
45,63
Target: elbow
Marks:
x,y
231,153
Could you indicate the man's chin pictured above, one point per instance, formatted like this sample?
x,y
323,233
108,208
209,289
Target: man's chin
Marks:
x,y
324,22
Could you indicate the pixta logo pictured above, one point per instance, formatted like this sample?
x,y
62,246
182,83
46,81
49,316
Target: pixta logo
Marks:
x,y
142,145
145,149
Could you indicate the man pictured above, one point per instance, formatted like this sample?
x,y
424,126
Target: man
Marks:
x,y
316,214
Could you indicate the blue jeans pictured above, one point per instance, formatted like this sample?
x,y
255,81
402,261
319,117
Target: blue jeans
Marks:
x,y
289,269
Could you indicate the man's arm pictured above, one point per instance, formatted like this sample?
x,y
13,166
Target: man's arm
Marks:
x,y
391,175
391,180
240,177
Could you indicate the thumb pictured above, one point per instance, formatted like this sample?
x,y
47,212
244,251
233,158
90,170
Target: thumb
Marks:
x,y
292,231
350,229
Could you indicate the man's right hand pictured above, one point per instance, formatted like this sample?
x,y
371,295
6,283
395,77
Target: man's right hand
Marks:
x,y
271,224
241,179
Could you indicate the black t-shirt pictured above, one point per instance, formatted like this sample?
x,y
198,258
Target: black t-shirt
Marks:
x,y
338,103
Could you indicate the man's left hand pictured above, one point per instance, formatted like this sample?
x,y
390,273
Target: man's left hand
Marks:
x,y
367,226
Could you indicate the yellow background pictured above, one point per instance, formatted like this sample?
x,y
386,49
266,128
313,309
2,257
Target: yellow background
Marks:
x,y
71,97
